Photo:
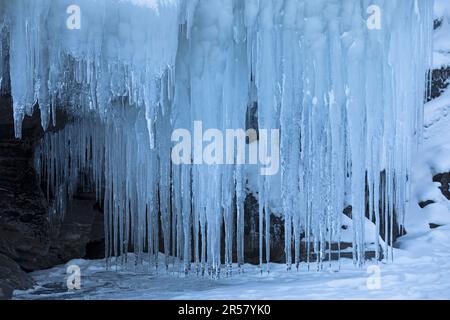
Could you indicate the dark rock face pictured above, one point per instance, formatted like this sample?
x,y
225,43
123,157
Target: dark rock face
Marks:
x,y
81,234
27,239
251,121
12,277
424,204
24,227
439,83
251,231
444,180
439,77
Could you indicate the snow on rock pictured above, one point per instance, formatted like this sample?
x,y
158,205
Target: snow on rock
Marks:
x,y
441,57
441,9
433,157
420,274
347,99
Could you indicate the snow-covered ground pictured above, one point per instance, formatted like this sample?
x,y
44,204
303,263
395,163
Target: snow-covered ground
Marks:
x,y
421,271
441,55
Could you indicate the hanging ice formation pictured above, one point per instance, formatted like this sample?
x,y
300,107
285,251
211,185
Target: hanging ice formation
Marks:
x,y
347,98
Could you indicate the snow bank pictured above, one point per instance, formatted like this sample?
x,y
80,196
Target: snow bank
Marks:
x,y
433,158
441,9
441,42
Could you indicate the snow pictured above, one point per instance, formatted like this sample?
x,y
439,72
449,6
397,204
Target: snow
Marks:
x,y
432,158
420,271
441,9
441,56
441,41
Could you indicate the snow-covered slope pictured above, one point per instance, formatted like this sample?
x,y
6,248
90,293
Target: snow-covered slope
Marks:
x,y
434,153
441,57
433,159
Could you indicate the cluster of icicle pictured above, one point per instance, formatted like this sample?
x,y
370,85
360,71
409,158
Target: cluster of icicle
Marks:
x,y
348,101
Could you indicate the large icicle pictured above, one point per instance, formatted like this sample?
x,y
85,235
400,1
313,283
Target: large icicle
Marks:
x,y
345,95
119,46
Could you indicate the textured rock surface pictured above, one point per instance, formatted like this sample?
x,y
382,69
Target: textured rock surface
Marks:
x,y
12,277
27,240
444,180
24,227
81,234
251,231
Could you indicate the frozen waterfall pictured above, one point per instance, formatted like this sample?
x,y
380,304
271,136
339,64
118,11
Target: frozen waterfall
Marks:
x,y
342,81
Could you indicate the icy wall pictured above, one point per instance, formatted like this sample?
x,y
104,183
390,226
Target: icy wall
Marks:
x,y
342,81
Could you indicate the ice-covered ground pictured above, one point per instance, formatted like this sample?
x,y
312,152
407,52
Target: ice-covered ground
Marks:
x,y
419,272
